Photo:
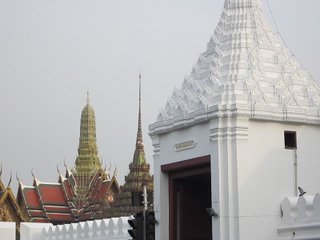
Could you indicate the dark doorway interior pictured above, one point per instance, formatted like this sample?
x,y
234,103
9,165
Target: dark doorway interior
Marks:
x,y
193,197
190,195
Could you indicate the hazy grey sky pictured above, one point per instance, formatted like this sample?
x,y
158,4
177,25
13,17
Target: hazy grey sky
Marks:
x,y
52,52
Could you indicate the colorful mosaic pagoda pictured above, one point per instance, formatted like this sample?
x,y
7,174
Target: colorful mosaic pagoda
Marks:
x,y
84,193
129,201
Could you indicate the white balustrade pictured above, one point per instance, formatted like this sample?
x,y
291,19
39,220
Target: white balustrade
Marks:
x,y
300,218
32,231
106,229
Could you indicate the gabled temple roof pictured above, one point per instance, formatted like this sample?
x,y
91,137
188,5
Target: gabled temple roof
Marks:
x,y
55,202
44,202
247,71
7,198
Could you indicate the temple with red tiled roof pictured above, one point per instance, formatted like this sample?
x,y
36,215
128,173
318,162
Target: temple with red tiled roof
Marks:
x,y
85,192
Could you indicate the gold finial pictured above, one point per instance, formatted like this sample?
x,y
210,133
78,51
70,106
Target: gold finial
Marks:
x,y
110,166
1,170
9,180
115,171
17,177
139,87
58,170
88,98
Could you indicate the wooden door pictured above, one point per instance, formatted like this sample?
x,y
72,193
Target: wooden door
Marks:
x,y
193,197
189,196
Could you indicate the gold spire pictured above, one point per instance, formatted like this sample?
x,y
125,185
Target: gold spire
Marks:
x,y
139,140
87,160
139,154
139,169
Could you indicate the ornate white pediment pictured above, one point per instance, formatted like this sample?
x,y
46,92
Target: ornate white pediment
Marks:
x,y
244,66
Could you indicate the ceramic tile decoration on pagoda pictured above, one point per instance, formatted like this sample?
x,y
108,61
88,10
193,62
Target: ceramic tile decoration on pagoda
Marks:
x,y
84,193
129,200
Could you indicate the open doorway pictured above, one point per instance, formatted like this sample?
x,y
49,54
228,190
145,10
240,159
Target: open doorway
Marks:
x,y
189,196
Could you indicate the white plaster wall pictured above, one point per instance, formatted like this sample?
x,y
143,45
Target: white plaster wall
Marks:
x,y
199,133
166,155
266,174
161,202
251,172
216,138
309,158
7,230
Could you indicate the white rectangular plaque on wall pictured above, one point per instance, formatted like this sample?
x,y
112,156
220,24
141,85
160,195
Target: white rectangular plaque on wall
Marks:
x,y
185,145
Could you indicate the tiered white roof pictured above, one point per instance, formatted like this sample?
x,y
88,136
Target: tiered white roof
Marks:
x,y
247,71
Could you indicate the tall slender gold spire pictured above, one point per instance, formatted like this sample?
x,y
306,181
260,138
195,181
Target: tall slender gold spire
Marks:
x,y
139,154
127,202
139,140
139,169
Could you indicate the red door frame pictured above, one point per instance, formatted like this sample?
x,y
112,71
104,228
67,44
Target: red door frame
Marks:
x,y
182,169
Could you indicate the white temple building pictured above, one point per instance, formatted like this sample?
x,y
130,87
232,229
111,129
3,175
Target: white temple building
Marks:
x,y
234,143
